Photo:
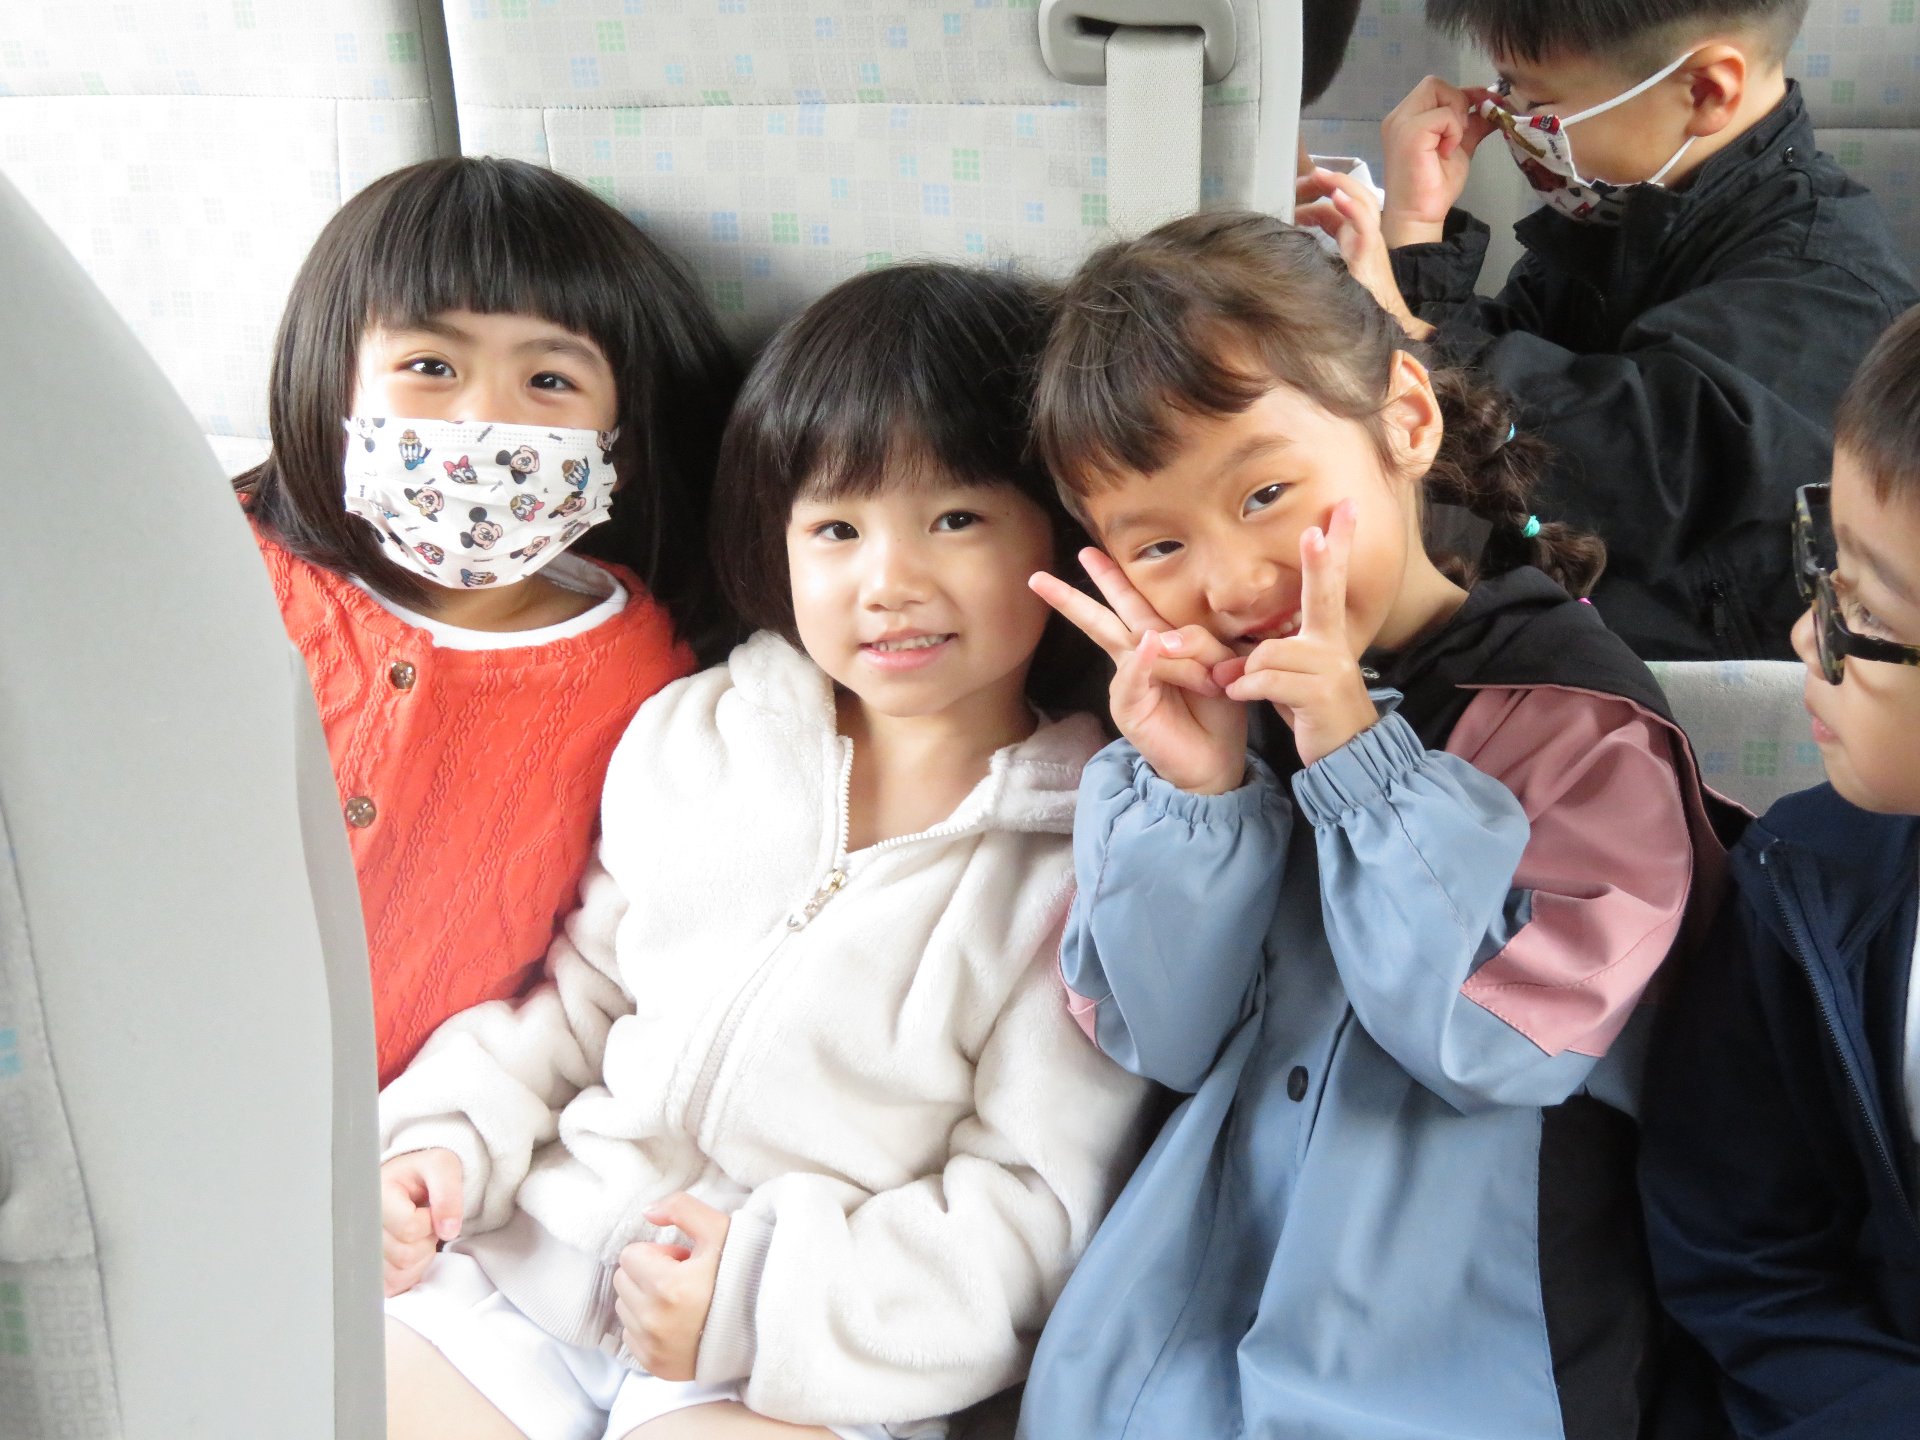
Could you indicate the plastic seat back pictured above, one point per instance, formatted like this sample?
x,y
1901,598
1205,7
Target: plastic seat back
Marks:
x,y
189,1228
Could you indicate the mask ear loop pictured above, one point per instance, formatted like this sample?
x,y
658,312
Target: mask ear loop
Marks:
x,y
1626,95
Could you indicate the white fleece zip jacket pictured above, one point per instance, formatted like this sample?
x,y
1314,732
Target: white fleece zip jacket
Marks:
x,y
866,1058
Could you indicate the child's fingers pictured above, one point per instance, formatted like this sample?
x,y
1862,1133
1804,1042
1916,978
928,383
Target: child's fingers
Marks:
x,y
1086,614
1196,642
440,1170
1323,568
400,1216
705,1226
1128,603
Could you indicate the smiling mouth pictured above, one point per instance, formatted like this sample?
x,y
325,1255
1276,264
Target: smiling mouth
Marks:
x,y
1273,630
907,642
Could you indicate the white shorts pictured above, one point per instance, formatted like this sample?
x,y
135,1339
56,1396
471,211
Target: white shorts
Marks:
x,y
549,1389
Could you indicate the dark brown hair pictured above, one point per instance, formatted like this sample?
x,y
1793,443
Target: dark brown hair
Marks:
x,y
1878,422
894,377
502,236
1206,314
1633,35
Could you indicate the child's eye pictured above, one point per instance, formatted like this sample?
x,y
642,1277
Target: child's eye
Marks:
x,y
434,369
1263,498
547,380
1158,550
836,530
1858,617
957,520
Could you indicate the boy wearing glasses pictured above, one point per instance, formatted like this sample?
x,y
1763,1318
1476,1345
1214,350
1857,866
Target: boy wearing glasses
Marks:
x,y
1783,1098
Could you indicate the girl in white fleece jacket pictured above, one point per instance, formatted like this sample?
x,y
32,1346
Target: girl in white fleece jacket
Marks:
x,y
797,1138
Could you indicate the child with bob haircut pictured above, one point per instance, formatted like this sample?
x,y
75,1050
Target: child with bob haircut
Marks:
x,y
1697,284
1392,957
798,1132
480,363
1783,1099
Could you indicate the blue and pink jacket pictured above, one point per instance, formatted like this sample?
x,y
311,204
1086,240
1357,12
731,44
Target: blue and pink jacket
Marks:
x,y
1402,996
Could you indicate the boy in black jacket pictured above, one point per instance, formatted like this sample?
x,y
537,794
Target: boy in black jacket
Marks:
x,y
1698,284
1779,1116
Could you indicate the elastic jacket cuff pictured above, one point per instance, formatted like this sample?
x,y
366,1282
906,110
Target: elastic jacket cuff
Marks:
x,y
1164,799
727,1344
1360,773
1446,270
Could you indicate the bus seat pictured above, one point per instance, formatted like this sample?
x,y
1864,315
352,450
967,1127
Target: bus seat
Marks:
x,y
189,1227
188,155
779,150
1859,66
1748,725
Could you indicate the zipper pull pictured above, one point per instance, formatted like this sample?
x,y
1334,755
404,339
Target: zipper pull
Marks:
x,y
828,889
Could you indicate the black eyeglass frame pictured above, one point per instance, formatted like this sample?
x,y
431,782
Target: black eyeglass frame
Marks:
x,y
1834,642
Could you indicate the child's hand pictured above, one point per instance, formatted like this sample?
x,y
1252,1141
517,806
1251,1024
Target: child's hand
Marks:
x,y
1312,678
1345,209
420,1205
1429,138
1164,698
663,1292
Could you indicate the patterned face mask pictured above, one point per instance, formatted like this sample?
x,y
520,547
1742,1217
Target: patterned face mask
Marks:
x,y
468,504
1544,152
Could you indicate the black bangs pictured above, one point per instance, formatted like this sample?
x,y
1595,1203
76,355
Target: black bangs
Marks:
x,y
1878,421
496,238
854,398
1533,30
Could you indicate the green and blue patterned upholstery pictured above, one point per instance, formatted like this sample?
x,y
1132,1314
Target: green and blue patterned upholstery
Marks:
x,y
187,154
1748,726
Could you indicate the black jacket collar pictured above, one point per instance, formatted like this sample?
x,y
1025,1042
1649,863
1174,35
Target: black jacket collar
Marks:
x,y
1515,629
1655,213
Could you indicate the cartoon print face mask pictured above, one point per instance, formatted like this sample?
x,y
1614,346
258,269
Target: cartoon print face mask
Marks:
x,y
1544,152
469,504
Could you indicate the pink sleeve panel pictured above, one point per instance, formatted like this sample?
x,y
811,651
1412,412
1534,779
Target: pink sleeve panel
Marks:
x,y
1609,864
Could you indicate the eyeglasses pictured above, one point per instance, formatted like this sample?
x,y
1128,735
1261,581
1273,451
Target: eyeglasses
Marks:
x,y
1813,564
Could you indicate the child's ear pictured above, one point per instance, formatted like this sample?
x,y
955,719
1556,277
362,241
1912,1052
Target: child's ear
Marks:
x,y
1412,415
1718,75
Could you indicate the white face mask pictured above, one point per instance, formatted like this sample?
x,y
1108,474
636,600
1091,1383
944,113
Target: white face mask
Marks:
x,y
1544,152
466,503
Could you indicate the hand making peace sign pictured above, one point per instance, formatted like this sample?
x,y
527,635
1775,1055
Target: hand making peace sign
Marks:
x,y
1164,697
1312,678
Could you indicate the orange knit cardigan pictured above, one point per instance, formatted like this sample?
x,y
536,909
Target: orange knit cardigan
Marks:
x,y
469,782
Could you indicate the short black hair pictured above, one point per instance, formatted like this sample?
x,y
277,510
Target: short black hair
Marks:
x,y
899,374
499,236
1878,422
1636,31
1326,29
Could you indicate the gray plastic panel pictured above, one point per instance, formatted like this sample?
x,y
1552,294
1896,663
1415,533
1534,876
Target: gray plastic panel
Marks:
x,y
187,894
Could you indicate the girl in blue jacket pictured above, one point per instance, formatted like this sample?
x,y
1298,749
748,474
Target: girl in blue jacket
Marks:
x,y
1392,952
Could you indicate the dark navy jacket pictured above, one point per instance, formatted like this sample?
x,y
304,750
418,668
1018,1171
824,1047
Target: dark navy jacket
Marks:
x,y
1775,1151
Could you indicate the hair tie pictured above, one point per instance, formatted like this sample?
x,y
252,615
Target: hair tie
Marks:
x,y
1531,528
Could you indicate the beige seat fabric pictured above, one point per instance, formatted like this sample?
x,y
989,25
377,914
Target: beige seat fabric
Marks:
x,y
188,151
781,148
1748,726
